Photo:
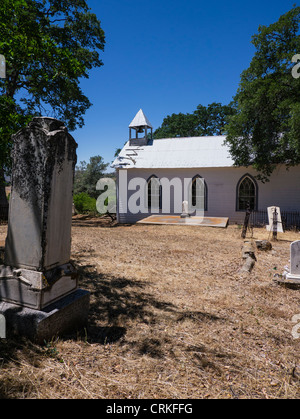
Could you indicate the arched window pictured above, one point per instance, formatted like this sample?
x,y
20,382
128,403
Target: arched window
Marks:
x,y
154,193
246,193
199,193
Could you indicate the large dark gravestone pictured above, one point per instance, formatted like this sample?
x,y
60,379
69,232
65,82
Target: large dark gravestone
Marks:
x,y
37,271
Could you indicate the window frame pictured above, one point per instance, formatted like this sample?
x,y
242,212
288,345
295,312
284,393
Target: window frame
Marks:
x,y
205,191
242,179
149,196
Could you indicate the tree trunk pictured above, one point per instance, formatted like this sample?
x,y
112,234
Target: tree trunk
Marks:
x,y
3,198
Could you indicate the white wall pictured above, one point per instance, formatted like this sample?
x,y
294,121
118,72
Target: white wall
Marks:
x,y
283,190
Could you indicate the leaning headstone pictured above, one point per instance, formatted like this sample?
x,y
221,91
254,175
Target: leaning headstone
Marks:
x,y
275,222
37,271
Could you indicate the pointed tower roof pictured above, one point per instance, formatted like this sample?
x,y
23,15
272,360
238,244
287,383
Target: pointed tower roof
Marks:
x,y
140,120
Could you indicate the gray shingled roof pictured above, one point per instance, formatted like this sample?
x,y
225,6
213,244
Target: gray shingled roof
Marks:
x,y
176,153
140,120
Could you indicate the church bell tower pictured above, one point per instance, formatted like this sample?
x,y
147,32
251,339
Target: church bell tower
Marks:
x,y
140,125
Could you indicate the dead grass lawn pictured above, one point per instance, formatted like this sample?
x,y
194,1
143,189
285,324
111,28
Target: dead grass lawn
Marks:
x,y
171,317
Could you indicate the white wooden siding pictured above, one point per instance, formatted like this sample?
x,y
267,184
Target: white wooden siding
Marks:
x,y
283,190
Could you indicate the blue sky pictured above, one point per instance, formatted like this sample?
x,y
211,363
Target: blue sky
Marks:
x,y
166,56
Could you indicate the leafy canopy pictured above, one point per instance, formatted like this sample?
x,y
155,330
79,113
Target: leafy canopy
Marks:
x,y
84,203
88,174
49,45
265,131
206,120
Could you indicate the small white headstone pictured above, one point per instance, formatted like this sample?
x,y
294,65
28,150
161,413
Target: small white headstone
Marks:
x,y
294,275
274,214
185,209
295,258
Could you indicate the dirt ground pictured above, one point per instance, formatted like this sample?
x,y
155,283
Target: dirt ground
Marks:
x,y
171,317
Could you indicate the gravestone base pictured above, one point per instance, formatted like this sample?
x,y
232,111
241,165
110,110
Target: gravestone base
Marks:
x,y
66,315
184,215
36,290
292,274
291,279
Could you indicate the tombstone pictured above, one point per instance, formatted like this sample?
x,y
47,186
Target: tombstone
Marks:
x,y
275,222
294,275
37,271
185,210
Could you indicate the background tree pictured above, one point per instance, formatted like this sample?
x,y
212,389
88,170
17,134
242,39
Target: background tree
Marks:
x,y
212,119
87,176
49,45
265,131
177,125
206,120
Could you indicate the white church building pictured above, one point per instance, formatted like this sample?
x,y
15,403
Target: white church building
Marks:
x,y
154,176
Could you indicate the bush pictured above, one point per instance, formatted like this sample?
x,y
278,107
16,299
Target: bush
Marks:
x,y
84,203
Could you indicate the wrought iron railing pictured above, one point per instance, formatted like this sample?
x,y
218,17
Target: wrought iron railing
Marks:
x,y
290,219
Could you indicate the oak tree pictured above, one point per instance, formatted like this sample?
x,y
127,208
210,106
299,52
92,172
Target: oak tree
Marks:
x,y
265,131
49,46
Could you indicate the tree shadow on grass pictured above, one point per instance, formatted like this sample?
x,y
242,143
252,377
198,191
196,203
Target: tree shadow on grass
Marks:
x,y
14,352
115,302
119,303
100,222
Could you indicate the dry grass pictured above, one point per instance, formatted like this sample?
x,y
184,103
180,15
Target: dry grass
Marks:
x,y
171,317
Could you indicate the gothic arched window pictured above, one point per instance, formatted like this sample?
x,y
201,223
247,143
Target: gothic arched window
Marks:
x,y
246,193
154,193
199,192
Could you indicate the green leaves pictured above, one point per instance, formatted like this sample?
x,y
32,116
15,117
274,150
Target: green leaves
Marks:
x,y
49,46
177,125
87,176
206,120
264,131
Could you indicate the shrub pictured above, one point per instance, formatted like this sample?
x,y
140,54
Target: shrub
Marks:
x,y
84,203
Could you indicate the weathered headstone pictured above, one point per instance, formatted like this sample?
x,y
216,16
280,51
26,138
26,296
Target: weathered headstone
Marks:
x,y
294,274
37,270
275,222
185,210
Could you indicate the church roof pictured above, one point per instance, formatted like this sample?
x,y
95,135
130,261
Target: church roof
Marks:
x,y
140,120
168,153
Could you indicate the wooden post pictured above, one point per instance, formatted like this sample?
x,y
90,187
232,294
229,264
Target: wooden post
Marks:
x,y
247,218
